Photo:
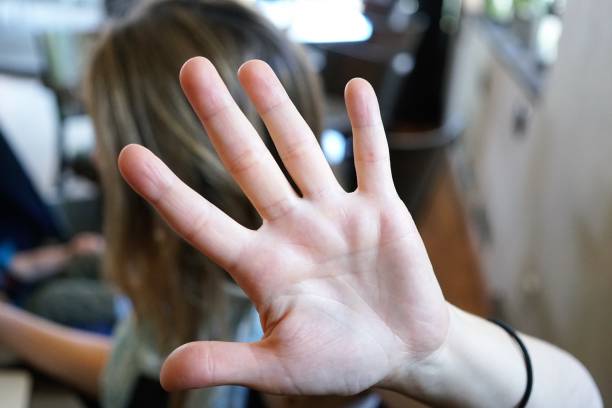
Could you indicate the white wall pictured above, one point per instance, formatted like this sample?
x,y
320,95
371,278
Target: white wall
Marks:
x,y
571,181
548,194
28,118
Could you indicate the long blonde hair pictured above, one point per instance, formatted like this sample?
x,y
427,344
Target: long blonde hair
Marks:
x,y
133,94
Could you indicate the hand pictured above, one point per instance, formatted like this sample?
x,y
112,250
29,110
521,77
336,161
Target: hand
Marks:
x,y
86,243
39,263
342,282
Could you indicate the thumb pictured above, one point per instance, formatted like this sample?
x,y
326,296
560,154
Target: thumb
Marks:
x,y
210,363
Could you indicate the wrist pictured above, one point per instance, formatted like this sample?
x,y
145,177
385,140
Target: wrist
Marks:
x,y
424,379
477,365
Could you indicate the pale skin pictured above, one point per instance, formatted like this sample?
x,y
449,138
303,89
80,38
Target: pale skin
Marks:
x,y
70,355
346,294
345,291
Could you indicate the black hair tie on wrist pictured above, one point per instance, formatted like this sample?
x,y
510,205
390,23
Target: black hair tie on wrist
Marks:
x,y
523,402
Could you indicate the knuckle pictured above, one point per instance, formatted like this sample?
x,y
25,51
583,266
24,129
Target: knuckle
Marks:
x,y
245,161
278,209
209,364
161,186
296,150
276,105
321,193
206,363
196,225
371,157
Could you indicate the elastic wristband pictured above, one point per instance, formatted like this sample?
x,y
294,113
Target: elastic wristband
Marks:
x,y
523,402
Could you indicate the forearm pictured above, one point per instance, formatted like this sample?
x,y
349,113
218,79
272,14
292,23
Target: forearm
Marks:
x,y
482,366
40,262
71,355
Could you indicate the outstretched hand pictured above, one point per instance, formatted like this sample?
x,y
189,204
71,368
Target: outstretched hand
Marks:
x,y
342,282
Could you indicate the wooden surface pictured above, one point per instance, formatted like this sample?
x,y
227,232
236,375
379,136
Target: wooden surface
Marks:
x,y
443,227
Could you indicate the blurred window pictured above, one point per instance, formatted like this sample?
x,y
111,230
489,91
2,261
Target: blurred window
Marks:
x,y
535,23
319,21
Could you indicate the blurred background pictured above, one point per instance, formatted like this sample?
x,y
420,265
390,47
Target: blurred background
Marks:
x,y
498,115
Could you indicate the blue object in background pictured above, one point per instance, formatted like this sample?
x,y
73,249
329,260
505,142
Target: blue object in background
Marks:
x,y
25,219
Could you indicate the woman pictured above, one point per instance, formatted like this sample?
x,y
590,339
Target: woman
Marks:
x,y
134,96
342,282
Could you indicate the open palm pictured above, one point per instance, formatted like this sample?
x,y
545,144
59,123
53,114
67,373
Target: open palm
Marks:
x,y
342,283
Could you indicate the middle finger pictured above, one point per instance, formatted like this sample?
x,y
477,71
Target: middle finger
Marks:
x,y
239,146
296,144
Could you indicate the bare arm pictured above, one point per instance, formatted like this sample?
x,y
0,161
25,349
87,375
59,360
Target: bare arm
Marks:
x,y
47,260
345,291
40,262
70,355
480,365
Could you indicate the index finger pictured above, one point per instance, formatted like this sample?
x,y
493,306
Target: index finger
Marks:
x,y
192,216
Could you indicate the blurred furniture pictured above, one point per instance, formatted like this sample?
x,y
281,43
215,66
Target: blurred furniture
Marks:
x,y
534,172
404,32
48,40
19,54
15,388
416,155
65,54
25,219
76,202
23,388
21,21
491,162
385,60
445,231
422,99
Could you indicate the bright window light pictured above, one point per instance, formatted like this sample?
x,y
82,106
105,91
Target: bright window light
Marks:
x,y
333,144
318,21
